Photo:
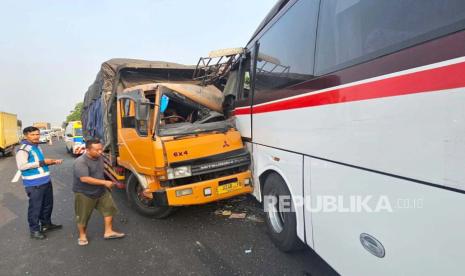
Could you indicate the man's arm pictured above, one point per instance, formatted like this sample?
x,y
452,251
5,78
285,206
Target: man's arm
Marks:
x,y
22,157
95,181
82,172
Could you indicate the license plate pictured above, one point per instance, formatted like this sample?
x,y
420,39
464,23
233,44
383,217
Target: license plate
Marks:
x,y
228,187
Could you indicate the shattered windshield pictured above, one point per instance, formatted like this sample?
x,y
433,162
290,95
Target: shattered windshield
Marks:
x,y
180,115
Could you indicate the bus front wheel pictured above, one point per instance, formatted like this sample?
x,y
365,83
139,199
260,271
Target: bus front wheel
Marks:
x,y
280,216
143,205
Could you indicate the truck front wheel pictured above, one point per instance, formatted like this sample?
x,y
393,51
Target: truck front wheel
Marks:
x,y
143,205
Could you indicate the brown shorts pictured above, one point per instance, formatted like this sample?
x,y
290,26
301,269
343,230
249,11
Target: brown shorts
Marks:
x,y
84,205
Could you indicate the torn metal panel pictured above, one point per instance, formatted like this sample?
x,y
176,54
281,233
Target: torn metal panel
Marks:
x,y
208,96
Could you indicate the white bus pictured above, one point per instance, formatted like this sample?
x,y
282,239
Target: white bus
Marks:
x,y
349,100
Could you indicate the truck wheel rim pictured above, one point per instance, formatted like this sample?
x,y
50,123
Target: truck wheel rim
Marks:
x,y
140,196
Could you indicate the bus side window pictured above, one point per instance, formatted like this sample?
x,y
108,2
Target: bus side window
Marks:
x,y
286,50
352,32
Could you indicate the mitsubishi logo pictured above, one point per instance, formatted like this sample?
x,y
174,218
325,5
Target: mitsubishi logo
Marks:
x,y
225,144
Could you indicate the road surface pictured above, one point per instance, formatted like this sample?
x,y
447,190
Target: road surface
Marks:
x,y
193,241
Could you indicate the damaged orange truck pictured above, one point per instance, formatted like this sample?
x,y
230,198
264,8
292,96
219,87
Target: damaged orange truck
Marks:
x,y
166,139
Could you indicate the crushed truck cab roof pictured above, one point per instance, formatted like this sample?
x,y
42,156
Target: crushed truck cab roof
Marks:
x,y
208,96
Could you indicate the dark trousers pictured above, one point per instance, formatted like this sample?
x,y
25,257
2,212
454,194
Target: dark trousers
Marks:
x,y
40,206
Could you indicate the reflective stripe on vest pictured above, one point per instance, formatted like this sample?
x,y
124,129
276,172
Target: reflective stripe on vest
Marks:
x,y
35,176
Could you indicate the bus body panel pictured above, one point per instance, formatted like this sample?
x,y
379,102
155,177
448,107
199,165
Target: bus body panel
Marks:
x,y
307,191
413,234
257,191
360,132
375,105
244,125
289,166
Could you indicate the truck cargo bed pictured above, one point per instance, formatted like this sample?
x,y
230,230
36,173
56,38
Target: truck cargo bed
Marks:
x,y
8,131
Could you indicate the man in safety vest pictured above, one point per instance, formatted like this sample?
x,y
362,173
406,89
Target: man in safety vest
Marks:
x,y
37,183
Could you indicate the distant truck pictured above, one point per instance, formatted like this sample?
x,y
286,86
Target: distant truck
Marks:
x,y
8,133
166,140
41,125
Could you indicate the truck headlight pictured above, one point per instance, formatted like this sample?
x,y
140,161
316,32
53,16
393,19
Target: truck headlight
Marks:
x,y
179,172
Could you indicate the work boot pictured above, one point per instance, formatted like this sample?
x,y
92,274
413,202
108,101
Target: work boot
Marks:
x,y
37,235
50,227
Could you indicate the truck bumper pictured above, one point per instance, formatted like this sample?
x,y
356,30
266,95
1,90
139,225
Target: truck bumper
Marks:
x,y
206,191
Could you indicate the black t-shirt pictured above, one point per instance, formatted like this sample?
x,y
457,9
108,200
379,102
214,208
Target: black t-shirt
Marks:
x,y
86,166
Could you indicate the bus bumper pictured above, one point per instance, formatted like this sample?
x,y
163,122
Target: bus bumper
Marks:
x,y
206,191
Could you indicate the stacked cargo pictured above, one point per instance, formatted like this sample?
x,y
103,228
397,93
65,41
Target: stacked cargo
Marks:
x,y
99,109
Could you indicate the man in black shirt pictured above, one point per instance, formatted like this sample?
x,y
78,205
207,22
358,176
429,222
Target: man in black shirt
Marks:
x,y
92,191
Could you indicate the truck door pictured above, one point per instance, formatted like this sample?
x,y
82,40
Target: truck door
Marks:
x,y
134,140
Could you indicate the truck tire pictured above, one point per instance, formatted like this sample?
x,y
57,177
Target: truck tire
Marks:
x,y
8,152
281,225
144,207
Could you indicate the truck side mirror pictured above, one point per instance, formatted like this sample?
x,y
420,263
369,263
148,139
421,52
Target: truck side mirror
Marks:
x,y
143,111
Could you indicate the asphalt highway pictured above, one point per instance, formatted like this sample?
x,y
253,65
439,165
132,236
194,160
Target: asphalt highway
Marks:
x,y
196,240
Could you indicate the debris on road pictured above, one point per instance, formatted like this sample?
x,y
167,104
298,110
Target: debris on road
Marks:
x,y
255,218
199,245
238,216
226,213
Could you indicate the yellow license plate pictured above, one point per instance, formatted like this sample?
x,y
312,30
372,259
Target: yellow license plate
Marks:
x,y
229,187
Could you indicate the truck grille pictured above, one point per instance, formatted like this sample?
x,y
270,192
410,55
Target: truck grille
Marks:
x,y
212,167
221,165
203,177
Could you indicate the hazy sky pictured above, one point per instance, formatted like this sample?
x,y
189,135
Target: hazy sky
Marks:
x,y
51,51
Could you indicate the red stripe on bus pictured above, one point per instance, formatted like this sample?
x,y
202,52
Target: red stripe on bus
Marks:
x,y
442,78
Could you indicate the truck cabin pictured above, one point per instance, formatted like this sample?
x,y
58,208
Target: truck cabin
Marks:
x,y
173,109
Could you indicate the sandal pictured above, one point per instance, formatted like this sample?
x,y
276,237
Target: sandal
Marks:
x,y
115,236
82,242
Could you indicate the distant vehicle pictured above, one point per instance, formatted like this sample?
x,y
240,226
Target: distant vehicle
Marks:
x,y
45,136
8,133
73,138
41,125
57,132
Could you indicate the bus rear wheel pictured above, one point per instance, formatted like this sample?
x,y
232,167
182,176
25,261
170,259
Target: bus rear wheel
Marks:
x,y
143,205
281,223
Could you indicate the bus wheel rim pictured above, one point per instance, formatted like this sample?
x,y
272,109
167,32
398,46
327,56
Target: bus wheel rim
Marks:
x,y
274,216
